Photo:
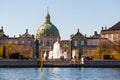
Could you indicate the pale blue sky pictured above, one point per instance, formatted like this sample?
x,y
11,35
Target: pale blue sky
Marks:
x,y
67,15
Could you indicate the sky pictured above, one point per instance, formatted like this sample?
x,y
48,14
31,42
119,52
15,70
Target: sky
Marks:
x,y
67,15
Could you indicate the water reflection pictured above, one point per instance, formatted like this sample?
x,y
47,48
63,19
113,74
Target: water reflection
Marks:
x,y
60,74
50,74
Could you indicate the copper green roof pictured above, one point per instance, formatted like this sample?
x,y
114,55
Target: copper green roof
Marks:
x,y
47,28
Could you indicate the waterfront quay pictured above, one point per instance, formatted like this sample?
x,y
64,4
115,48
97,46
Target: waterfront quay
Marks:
x,y
59,63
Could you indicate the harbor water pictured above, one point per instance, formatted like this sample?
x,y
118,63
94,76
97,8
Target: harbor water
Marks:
x,y
60,74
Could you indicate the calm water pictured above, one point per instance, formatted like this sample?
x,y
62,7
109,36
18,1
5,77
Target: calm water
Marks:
x,y
60,74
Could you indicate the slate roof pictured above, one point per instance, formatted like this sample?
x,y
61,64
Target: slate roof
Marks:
x,y
115,27
26,34
79,34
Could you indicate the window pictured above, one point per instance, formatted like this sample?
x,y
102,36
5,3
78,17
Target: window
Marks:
x,y
16,42
109,35
41,43
82,42
75,44
10,41
47,43
22,41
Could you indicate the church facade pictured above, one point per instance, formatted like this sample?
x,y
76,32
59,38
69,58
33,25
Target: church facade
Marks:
x,y
47,34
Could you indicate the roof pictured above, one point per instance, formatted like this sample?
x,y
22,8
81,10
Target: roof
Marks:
x,y
3,36
79,34
47,28
96,35
26,34
115,27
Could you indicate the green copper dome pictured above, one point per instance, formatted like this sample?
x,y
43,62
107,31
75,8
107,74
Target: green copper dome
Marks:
x,y
47,28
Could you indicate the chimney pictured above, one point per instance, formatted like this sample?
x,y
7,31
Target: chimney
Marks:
x,y
102,28
14,36
19,35
85,35
26,30
105,28
2,27
95,33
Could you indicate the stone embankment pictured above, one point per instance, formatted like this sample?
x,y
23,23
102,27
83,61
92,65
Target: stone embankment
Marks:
x,y
102,63
18,63
59,63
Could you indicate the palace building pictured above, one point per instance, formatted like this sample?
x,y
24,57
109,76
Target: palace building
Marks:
x,y
25,40
113,33
83,46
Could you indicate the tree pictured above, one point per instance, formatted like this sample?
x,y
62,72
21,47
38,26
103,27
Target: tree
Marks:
x,y
4,52
37,49
23,51
105,47
9,49
116,45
